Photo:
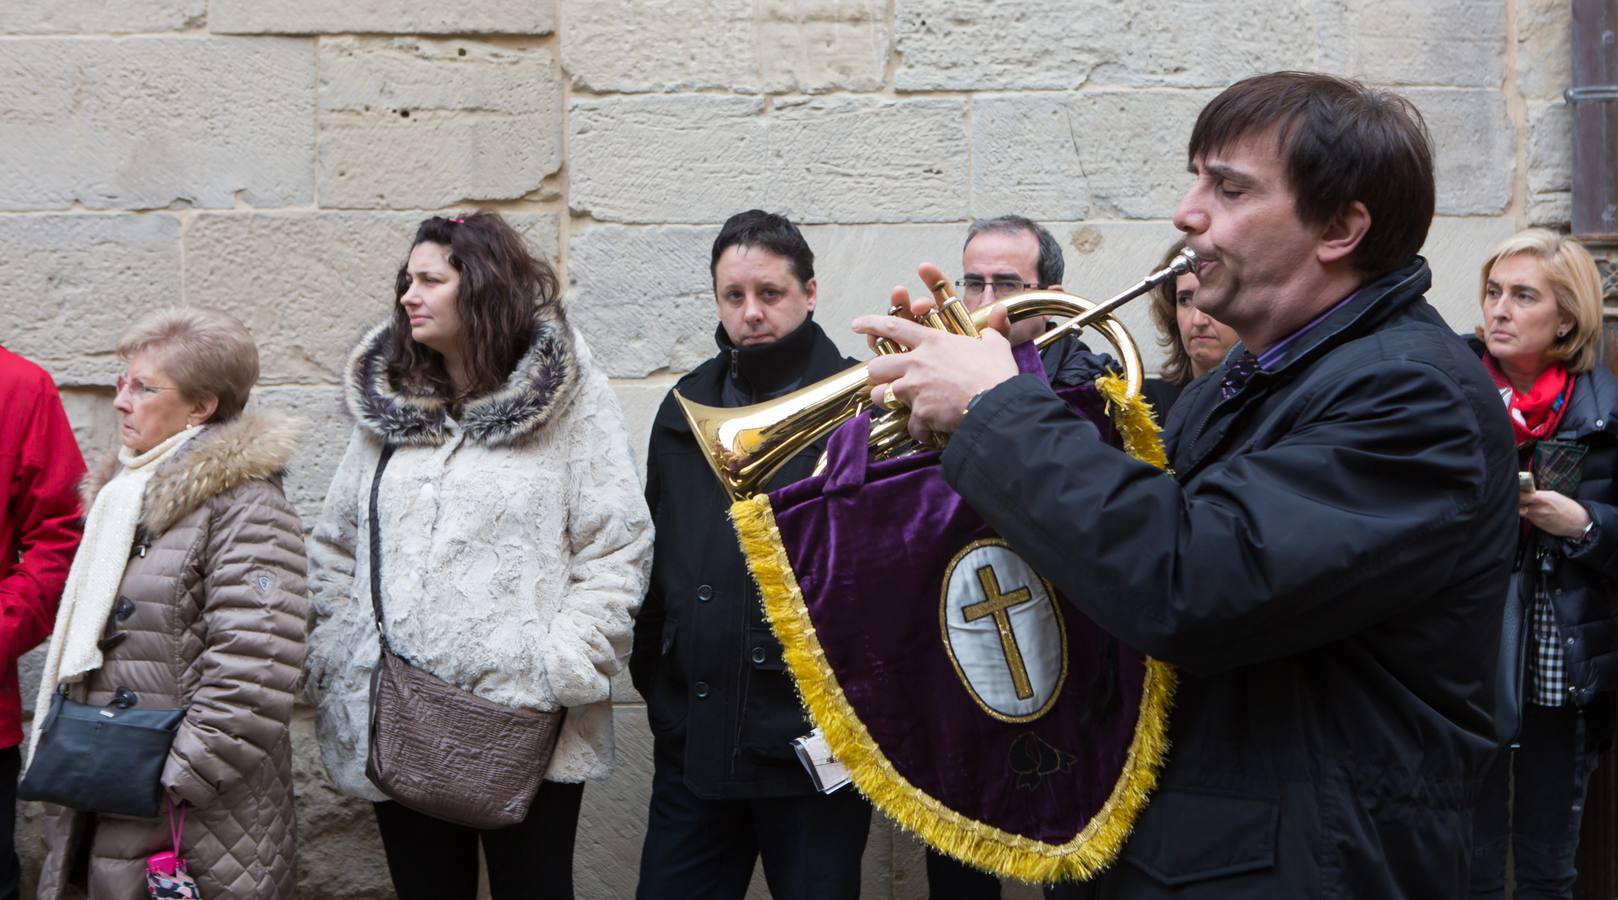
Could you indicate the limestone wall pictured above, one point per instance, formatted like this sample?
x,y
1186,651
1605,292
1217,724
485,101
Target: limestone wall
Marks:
x,y
270,157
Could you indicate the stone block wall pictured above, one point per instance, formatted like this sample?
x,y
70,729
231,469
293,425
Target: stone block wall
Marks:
x,y
270,157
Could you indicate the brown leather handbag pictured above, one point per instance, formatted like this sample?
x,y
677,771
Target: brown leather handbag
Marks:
x,y
443,751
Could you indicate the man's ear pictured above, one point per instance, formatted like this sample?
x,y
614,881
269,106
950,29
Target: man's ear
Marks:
x,y
1343,233
809,290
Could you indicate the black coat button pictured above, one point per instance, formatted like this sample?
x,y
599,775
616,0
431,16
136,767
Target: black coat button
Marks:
x,y
704,594
124,609
701,688
759,656
125,698
111,641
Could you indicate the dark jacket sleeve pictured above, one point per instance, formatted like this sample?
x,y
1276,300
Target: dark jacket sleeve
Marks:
x,y
1366,503
44,504
649,621
1600,553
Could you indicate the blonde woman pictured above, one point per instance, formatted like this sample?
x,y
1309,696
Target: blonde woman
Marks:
x,y
188,591
1541,340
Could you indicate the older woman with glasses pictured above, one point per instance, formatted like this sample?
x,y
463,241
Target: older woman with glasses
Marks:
x,y
187,593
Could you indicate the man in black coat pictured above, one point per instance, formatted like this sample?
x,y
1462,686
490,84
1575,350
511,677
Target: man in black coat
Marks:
x,y
1327,566
727,788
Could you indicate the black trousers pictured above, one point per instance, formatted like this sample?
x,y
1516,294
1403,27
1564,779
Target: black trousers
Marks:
x,y
430,859
1543,785
700,849
950,879
10,867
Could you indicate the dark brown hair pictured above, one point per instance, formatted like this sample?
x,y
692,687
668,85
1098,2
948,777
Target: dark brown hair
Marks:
x,y
502,283
775,233
1340,142
1165,303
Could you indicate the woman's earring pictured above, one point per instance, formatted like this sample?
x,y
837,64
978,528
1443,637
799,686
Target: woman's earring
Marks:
x,y
1561,332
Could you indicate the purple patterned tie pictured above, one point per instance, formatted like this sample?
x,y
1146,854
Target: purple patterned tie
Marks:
x,y
1241,368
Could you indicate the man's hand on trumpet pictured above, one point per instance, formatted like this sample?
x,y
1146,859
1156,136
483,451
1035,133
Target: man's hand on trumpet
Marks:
x,y
942,371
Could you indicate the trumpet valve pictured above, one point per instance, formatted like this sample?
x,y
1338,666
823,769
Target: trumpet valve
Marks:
x,y
888,346
953,313
957,318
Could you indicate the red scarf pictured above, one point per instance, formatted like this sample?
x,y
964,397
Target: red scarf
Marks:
x,y
1534,415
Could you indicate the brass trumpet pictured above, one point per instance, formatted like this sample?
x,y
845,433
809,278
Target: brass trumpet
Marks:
x,y
745,445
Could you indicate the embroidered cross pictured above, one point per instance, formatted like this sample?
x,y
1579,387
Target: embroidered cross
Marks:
x,y
999,605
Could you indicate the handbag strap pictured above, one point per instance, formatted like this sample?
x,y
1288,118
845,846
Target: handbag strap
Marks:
x,y
176,831
376,544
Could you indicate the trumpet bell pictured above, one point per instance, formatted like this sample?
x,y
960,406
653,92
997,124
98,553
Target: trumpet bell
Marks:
x,y
745,445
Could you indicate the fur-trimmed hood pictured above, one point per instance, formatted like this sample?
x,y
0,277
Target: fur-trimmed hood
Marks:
x,y
253,445
541,384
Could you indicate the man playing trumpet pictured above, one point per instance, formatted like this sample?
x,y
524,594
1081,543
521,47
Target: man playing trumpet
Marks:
x,y
1328,564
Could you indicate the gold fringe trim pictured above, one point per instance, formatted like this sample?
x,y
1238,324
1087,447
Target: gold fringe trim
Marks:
x,y
1133,418
1001,852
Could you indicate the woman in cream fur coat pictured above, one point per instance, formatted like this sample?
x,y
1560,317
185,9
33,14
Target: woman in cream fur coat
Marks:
x,y
515,542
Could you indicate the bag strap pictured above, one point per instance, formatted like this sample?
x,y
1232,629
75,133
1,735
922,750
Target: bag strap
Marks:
x,y
376,544
176,831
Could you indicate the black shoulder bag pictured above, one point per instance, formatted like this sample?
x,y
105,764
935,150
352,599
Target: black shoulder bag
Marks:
x,y
102,759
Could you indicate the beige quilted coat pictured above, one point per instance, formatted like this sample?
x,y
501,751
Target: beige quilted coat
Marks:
x,y
213,616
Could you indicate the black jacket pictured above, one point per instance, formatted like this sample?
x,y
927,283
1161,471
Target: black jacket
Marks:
x,y
1161,395
1069,362
1327,570
1581,573
704,658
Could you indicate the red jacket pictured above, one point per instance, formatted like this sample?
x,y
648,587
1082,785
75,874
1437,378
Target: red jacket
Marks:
x,y
40,468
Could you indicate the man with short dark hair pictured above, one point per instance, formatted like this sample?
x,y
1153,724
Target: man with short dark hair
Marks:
x,y
40,468
1327,567
1010,255
727,789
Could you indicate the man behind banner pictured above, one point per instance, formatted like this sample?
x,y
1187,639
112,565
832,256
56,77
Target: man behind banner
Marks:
x,y
1003,257
727,788
1328,564
1010,255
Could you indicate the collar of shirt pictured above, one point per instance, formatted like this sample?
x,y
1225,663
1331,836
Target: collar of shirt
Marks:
x,y
1276,351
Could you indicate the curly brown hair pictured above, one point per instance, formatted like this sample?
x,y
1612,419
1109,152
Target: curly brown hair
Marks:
x,y
502,284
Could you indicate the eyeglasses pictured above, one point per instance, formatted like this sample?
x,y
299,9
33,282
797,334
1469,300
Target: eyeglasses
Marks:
x,y
139,390
1003,287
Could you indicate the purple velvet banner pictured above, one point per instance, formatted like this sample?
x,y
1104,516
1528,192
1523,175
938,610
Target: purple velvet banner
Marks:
x,y
982,689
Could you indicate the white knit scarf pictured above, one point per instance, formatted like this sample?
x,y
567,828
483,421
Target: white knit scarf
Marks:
x,y
98,570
